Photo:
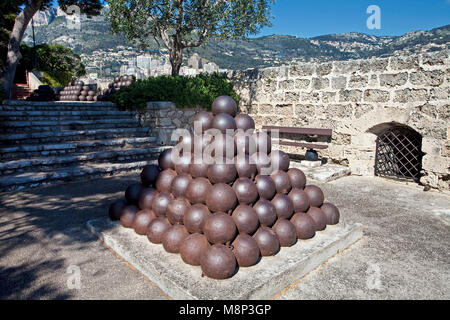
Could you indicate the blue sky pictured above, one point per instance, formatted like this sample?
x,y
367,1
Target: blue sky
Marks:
x,y
309,18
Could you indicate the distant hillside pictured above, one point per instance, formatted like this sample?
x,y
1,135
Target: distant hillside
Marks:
x,y
257,52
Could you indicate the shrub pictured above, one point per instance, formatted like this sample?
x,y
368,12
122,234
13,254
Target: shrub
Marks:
x,y
184,91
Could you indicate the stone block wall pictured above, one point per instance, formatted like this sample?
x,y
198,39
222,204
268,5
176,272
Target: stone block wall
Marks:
x,y
356,98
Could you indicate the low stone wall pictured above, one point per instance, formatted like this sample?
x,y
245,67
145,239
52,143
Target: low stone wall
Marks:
x,y
357,99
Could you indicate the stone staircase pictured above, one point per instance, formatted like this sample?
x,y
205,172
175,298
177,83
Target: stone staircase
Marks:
x,y
20,91
49,142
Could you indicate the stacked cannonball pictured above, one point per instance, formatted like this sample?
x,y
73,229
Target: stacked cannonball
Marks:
x,y
42,93
230,208
119,82
78,91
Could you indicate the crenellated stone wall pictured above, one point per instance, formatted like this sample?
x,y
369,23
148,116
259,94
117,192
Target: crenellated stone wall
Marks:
x,y
358,99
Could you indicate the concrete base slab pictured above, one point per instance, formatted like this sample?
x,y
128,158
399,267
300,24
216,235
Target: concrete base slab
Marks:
x,y
262,281
311,164
324,173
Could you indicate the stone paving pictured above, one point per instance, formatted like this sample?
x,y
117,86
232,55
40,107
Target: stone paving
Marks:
x,y
404,253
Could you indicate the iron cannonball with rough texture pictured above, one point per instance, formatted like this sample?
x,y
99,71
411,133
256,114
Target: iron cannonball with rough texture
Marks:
x,y
219,228
222,172
285,231
221,197
199,170
245,250
299,199
192,248
320,219
174,237
157,228
132,193
246,219
262,162
180,184
244,168
266,212
223,146
224,104
263,142
315,195
218,262
224,122
182,164
244,143
205,119
149,174
283,205
127,215
281,180
267,241
266,187
197,190
244,122
176,210
165,160
142,221
115,209
304,225
195,217
146,197
331,211
160,203
246,191
165,179
279,160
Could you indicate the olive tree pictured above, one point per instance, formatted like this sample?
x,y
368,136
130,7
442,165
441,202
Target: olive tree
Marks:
x,y
181,24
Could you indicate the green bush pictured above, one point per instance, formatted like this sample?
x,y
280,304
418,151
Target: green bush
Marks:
x,y
184,91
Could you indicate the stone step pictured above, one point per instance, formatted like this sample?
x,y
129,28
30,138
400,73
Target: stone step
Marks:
x,y
46,118
45,164
38,150
71,114
72,173
15,105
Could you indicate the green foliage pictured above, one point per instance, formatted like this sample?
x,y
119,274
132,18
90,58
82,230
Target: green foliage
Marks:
x,y
184,91
2,96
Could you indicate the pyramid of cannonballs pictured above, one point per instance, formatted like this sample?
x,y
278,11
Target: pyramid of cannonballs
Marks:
x,y
242,204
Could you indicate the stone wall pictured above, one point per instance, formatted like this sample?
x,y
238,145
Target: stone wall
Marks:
x,y
357,99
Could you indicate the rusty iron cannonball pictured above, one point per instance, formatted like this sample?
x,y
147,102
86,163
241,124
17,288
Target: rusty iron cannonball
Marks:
x,y
300,200
263,142
244,122
224,104
142,220
244,143
244,168
245,250
331,211
180,184
199,170
283,205
146,197
304,225
262,162
218,262
286,233
182,164
132,193
174,237
281,180
267,241
176,209
266,212
160,203
224,122
157,228
205,119
115,209
222,146
266,187
315,195
246,191
246,219
197,190
165,160
222,172
127,215
320,219
192,248
219,228
221,198
279,160
165,179
195,217
297,178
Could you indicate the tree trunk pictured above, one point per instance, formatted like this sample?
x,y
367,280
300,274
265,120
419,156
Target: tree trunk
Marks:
x,y
176,59
13,56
